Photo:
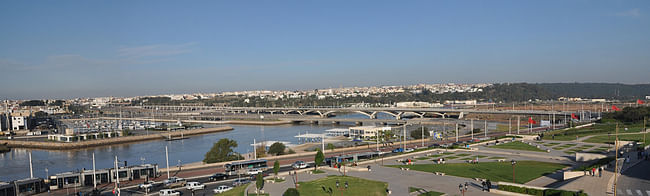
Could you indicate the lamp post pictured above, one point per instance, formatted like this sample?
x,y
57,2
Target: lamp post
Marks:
x,y
513,162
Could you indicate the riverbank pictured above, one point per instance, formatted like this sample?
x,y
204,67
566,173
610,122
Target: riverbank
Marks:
x,y
234,122
4,148
48,145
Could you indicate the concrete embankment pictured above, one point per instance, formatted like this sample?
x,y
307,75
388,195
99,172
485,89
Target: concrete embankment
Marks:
x,y
234,122
103,142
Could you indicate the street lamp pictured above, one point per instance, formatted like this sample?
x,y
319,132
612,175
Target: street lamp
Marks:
x,y
513,162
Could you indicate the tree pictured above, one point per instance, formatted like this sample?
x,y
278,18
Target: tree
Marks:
x,y
277,148
276,168
259,183
291,192
318,159
330,146
417,133
222,151
33,103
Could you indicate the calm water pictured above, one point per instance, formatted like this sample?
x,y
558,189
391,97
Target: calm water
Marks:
x,y
15,164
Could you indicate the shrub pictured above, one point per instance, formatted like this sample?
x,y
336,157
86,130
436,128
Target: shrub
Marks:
x,y
547,192
291,192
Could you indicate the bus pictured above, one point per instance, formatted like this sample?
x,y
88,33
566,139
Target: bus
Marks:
x,y
234,167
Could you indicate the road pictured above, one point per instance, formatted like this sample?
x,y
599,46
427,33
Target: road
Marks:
x,y
635,181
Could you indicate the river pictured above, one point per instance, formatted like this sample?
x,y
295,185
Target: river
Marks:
x,y
15,164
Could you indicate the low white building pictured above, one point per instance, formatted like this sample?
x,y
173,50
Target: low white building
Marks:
x,y
366,132
417,104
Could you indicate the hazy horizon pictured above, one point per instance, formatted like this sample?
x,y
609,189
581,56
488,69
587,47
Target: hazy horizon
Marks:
x,y
70,49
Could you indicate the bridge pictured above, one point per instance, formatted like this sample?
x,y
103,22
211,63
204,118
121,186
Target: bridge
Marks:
x,y
371,112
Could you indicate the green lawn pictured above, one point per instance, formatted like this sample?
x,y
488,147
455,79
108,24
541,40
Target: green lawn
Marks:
x,y
551,144
494,171
435,155
447,153
423,158
357,186
517,145
236,191
570,134
426,193
462,155
610,139
451,157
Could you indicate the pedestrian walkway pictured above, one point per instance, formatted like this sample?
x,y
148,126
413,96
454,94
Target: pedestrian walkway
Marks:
x,y
399,181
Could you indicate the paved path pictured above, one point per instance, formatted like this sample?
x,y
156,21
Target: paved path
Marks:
x,y
635,181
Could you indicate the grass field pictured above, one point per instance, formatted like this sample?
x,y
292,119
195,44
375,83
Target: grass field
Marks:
x,y
517,145
236,191
462,155
610,139
605,128
494,171
451,157
426,193
357,186
447,153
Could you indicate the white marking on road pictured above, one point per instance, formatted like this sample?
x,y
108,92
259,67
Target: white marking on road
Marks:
x,y
629,192
639,192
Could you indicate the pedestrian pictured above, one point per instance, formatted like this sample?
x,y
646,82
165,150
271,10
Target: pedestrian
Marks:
x,y
489,185
600,172
368,167
483,186
593,172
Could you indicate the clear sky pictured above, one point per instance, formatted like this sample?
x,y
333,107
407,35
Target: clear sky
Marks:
x,y
63,49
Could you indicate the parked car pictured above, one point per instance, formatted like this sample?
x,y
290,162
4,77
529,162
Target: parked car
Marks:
x,y
434,146
221,189
240,181
146,185
194,186
409,150
254,177
396,150
299,165
218,176
168,192
254,171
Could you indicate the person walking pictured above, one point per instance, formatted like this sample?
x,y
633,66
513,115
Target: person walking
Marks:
x,y
600,172
593,172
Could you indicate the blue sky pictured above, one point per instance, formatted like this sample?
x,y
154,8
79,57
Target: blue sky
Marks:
x,y
63,49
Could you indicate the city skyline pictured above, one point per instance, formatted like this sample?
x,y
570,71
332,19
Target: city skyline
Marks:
x,y
96,49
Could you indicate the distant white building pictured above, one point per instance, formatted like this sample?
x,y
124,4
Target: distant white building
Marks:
x,y
366,132
466,102
18,122
416,104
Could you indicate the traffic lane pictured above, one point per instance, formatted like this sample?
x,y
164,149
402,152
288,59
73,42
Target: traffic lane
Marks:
x,y
636,179
203,180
